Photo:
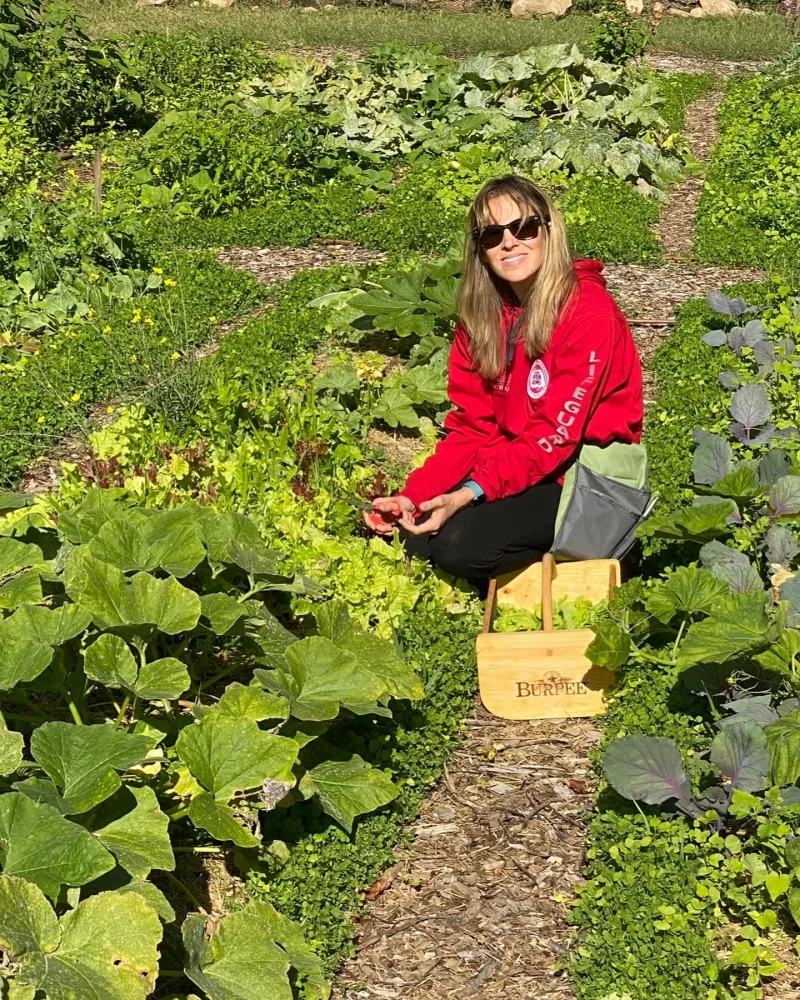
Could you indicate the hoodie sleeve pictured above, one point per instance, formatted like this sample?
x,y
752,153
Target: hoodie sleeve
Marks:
x,y
470,426
580,373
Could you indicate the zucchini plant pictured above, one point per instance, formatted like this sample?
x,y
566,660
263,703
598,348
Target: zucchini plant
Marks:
x,y
125,735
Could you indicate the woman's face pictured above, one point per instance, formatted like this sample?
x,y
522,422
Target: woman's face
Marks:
x,y
516,261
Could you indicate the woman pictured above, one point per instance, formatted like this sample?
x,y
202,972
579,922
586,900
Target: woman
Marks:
x,y
542,362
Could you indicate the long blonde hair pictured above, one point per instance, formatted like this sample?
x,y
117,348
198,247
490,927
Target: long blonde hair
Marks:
x,y
482,294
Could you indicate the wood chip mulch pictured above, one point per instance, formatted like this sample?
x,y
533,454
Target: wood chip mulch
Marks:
x,y
677,225
477,907
275,264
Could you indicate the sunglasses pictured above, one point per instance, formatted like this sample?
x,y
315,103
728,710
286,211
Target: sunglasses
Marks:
x,y
521,229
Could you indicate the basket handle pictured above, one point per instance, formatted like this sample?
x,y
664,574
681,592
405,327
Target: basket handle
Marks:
x,y
548,567
612,581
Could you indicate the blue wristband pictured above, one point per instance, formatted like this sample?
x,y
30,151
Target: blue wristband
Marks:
x,y
477,490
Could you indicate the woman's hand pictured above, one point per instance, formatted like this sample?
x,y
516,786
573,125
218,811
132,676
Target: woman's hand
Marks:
x,y
390,512
441,510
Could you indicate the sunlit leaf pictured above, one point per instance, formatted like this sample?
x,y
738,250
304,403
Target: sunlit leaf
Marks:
x,y
646,768
347,789
83,761
43,847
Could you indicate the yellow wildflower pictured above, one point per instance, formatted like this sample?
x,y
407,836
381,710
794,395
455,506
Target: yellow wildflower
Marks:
x,y
170,282
76,397
149,321
212,319
109,409
137,316
157,171
163,340
40,420
134,358
175,355
90,313
106,329
158,270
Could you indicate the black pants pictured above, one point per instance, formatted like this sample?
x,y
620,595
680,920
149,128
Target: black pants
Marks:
x,y
492,538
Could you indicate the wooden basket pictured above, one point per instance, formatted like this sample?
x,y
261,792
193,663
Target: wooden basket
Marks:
x,y
544,675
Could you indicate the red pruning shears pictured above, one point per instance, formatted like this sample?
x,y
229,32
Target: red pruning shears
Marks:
x,y
381,514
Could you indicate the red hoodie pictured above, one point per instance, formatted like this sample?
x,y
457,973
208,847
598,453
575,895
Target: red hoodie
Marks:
x,y
526,426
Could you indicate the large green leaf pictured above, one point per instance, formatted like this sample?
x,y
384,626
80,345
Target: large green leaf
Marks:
x,y
82,523
379,656
321,676
784,656
241,961
151,895
37,843
223,611
27,920
234,539
395,409
349,788
164,679
249,956
252,703
220,821
110,661
28,636
55,626
740,626
83,760
646,768
783,739
687,591
138,838
611,646
12,500
21,566
741,485
274,640
10,749
700,523
113,600
227,754
108,948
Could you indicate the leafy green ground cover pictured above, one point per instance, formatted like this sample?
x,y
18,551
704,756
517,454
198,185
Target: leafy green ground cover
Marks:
x,y
710,889
748,212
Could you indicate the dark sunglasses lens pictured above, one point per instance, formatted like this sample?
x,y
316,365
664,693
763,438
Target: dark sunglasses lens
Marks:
x,y
528,228
492,236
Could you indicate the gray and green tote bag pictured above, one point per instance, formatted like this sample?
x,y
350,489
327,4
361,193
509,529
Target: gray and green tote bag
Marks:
x,y
604,499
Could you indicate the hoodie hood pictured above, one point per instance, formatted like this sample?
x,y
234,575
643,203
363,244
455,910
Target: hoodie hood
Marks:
x,y
590,271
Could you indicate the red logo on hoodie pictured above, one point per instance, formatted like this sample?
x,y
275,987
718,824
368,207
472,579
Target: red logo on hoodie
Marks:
x,y
538,380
